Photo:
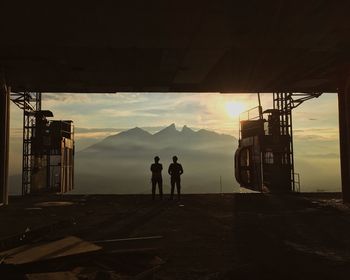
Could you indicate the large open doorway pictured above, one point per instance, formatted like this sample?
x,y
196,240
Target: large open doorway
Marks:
x,y
117,136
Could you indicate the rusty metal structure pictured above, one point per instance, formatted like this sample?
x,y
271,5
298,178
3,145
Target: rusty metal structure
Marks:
x,y
264,160
48,148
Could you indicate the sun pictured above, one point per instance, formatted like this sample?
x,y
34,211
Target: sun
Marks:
x,y
233,109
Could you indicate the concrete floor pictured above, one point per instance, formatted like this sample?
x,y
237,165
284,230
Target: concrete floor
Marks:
x,y
234,236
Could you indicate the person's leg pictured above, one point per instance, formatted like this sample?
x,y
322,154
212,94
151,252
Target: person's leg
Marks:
x,y
160,186
178,187
172,182
153,188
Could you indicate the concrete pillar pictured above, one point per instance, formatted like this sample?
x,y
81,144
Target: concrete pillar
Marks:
x,y
4,140
344,136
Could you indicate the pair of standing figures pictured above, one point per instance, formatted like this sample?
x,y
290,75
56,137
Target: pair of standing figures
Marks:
x,y
175,170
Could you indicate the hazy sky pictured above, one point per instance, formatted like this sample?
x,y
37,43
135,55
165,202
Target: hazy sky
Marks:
x,y
99,115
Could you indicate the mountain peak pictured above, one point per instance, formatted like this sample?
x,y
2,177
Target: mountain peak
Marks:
x,y
186,129
136,131
169,129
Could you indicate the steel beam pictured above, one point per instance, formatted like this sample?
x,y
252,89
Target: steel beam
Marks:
x,y
4,140
344,137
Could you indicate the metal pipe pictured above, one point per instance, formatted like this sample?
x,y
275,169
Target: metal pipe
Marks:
x,y
260,108
344,138
4,141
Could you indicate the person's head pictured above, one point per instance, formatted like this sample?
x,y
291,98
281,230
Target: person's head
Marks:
x,y
156,159
175,159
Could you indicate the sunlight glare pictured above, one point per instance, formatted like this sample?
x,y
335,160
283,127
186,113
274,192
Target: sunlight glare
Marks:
x,y
233,109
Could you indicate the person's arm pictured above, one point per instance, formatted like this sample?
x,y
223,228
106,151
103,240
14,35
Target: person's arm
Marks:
x,y
151,167
161,167
181,170
170,169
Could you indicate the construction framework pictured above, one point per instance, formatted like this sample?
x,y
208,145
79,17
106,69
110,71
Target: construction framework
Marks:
x,y
48,148
264,159
285,103
30,103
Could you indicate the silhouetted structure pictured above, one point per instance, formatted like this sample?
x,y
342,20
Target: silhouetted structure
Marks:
x,y
175,170
48,148
156,169
30,103
264,159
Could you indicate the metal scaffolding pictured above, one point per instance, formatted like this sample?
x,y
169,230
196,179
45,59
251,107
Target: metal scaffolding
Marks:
x,y
30,103
284,103
264,160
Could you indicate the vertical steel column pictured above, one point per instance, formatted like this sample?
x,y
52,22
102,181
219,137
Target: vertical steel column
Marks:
x,y
282,101
344,137
4,140
291,146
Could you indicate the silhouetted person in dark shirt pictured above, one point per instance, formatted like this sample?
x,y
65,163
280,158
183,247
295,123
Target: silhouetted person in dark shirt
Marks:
x,y
156,169
175,170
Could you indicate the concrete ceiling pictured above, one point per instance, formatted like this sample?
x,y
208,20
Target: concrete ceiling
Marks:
x,y
180,46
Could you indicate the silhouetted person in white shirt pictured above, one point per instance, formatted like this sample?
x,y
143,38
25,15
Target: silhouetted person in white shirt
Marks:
x,y
156,169
175,170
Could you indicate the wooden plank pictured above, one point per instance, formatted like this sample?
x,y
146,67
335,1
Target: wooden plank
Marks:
x,y
52,276
67,246
129,239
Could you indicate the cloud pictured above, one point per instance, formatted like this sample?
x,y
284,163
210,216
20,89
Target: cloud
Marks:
x,y
67,98
57,99
191,107
89,130
317,134
174,110
315,137
320,156
107,113
95,133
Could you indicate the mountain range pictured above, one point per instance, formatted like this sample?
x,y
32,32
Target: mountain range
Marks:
x,y
167,138
120,163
